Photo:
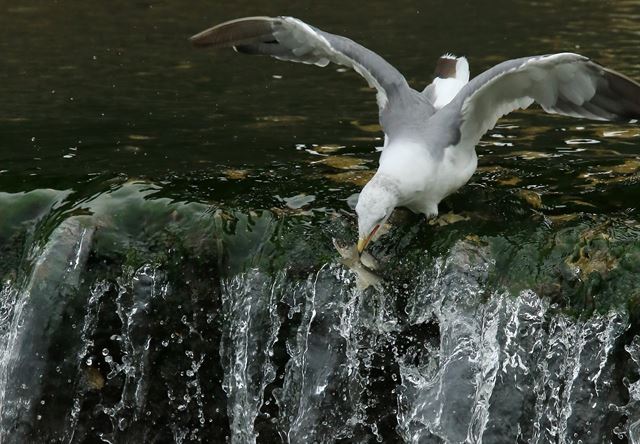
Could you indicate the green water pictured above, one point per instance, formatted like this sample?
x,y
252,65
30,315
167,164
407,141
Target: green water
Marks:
x,y
98,95
93,92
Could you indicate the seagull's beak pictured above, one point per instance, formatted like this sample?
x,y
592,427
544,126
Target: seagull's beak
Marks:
x,y
363,242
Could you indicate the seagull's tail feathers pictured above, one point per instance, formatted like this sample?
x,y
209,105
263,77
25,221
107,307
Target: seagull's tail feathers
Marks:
x,y
449,66
451,74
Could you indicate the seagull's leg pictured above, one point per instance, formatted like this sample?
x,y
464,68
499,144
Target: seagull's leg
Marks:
x,y
401,216
430,212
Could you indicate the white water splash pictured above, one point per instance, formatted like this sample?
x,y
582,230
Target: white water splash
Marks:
x,y
250,326
500,355
54,276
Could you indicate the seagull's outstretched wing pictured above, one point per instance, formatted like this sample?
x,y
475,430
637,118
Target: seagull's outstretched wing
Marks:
x,y
287,38
565,83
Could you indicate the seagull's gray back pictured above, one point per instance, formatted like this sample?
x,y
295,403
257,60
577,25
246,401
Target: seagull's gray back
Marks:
x,y
406,114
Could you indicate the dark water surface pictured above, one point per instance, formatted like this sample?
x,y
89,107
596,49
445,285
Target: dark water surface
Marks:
x,y
166,216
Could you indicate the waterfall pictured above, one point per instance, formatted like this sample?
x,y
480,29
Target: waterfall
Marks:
x,y
176,322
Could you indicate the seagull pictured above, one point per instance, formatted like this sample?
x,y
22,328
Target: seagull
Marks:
x,y
430,135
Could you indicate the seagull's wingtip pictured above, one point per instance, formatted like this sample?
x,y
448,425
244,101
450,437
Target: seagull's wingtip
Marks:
x,y
201,40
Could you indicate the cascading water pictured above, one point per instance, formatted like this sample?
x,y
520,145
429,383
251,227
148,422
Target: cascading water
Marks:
x,y
508,368
156,321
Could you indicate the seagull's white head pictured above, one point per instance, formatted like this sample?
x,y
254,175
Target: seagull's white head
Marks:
x,y
376,203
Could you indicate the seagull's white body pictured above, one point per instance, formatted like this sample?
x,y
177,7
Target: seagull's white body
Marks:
x,y
430,136
426,180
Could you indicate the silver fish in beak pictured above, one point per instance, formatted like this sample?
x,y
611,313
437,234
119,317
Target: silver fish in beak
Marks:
x,y
361,265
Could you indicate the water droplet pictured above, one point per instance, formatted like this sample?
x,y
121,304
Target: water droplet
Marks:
x,y
105,352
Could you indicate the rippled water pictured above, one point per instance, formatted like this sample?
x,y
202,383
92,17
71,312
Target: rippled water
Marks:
x,y
167,216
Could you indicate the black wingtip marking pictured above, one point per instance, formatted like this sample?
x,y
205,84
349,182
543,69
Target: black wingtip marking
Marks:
x,y
628,92
242,31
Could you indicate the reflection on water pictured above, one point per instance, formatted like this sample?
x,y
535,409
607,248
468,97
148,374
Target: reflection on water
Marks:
x,y
167,216
133,98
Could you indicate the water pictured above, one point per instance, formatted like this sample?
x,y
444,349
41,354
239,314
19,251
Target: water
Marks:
x,y
167,216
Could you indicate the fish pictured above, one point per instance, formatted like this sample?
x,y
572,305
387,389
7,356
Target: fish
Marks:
x,y
363,266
